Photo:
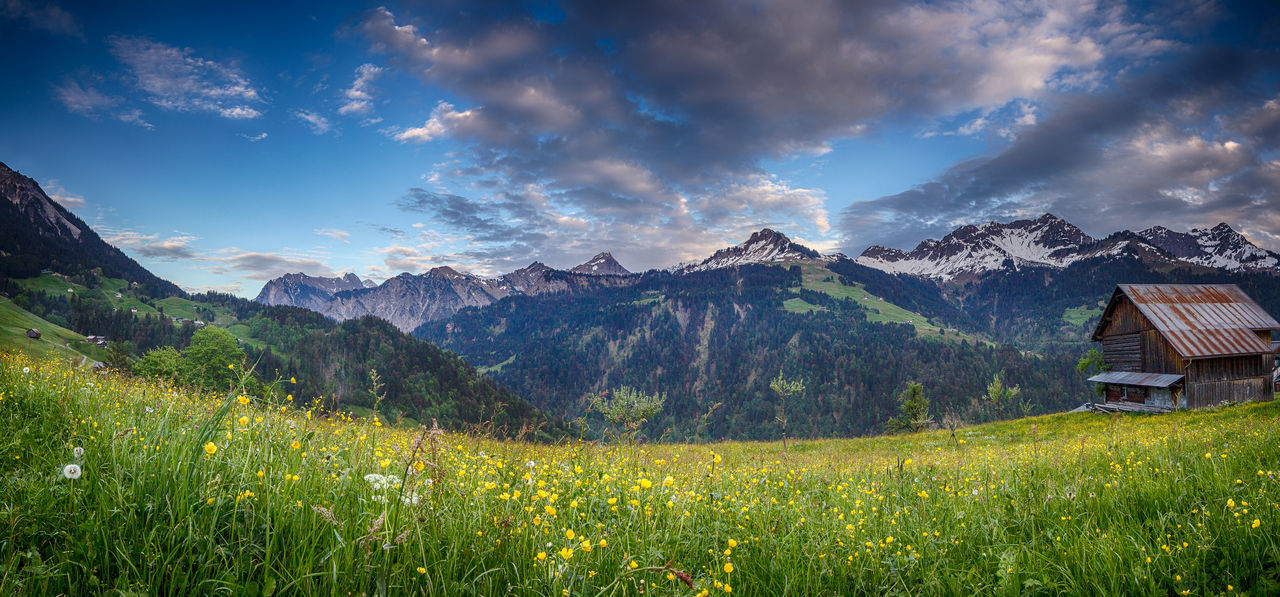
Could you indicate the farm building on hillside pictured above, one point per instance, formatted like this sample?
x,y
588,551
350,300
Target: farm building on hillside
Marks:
x,y
1185,345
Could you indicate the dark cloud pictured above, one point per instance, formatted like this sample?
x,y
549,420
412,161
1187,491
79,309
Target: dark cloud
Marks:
x,y
1151,150
639,116
42,16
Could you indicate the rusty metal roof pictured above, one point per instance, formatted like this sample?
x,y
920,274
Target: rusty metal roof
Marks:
x,y
1202,320
1127,378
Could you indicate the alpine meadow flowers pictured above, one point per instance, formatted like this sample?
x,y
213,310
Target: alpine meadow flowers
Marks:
x,y
189,493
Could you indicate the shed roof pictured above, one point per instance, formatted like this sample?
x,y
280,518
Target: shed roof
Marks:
x,y
1129,378
1199,320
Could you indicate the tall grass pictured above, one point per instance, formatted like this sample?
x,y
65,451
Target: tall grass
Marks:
x,y
185,494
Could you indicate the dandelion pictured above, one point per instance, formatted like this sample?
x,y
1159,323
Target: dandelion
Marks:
x,y
26,369
210,448
71,471
78,452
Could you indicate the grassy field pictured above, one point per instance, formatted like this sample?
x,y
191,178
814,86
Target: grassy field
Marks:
x,y
185,494
54,342
1079,316
818,278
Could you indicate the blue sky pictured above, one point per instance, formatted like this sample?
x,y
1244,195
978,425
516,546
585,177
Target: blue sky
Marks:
x,y
222,145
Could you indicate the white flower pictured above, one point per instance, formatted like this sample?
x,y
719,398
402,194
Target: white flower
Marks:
x,y
78,452
26,369
410,499
71,471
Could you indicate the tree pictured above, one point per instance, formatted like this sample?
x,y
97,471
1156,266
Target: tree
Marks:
x,y
628,408
785,388
913,410
1092,362
209,361
119,355
1000,397
159,362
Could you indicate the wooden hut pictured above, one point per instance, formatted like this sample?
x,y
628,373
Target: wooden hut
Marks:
x,y
1185,345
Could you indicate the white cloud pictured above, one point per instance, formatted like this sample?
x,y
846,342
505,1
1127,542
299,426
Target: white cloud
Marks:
x,y
254,138
175,79
334,233
64,198
444,119
318,123
360,94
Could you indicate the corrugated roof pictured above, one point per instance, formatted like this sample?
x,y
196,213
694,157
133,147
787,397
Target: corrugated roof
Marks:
x,y
1203,320
1129,378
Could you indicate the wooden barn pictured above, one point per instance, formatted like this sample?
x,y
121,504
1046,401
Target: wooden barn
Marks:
x,y
1185,345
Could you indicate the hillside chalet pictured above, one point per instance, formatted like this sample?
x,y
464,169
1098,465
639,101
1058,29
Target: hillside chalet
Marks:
x,y
1185,346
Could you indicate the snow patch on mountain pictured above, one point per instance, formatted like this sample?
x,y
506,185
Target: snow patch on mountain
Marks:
x,y
765,246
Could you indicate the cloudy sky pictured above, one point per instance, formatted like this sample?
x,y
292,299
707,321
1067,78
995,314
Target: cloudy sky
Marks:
x,y
222,145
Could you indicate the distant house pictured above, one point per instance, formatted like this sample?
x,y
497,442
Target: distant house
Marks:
x,y
98,340
198,323
133,309
1185,345
118,295
33,333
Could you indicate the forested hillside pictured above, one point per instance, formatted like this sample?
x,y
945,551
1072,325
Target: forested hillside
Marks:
x,y
720,337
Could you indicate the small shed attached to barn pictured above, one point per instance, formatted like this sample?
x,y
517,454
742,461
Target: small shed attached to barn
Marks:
x,y
1185,345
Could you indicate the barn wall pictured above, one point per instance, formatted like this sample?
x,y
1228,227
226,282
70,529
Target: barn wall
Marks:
x,y
1126,319
1158,355
1123,352
1200,395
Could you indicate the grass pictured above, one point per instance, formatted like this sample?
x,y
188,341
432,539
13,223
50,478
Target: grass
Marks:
x,y
818,278
189,494
54,342
798,305
1078,316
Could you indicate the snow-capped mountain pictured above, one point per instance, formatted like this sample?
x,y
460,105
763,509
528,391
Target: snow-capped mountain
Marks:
x,y
601,265
1220,247
765,246
1050,241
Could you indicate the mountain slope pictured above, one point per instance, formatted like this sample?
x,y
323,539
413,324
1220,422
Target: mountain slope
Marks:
x,y
301,290
972,251
41,234
765,246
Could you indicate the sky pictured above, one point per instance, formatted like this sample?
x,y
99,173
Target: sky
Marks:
x,y
224,144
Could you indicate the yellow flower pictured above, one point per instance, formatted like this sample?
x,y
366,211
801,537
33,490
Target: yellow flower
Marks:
x,y
604,543
566,553
1256,523
242,399
210,448
292,380
645,483
244,421
728,567
550,510
888,539
716,459
230,366
384,463
669,481
421,570
261,474
733,543
542,555
569,534
295,445
634,565
727,588
1231,503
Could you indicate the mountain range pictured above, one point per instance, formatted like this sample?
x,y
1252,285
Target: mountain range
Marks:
x,y
1049,241
409,301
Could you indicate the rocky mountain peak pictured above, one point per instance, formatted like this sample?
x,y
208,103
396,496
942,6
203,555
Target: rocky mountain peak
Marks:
x,y
764,246
51,220
603,264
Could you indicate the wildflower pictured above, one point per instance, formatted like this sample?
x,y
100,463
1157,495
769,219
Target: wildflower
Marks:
x,y
1256,523
292,380
569,534
542,555
604,543
645,483
733,543
669,481
210,448
1231,503
728,567
72,471
634,565
231,366
421,570
244,421
566,553
26,369
78,452
242,399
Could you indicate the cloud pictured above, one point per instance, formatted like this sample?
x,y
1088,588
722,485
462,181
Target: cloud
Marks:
x,y
233,288
82,96
152,246
256,265
334,233
360,95
41,16
175,79
254,138
318,123
64,198
634,120
1151,150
